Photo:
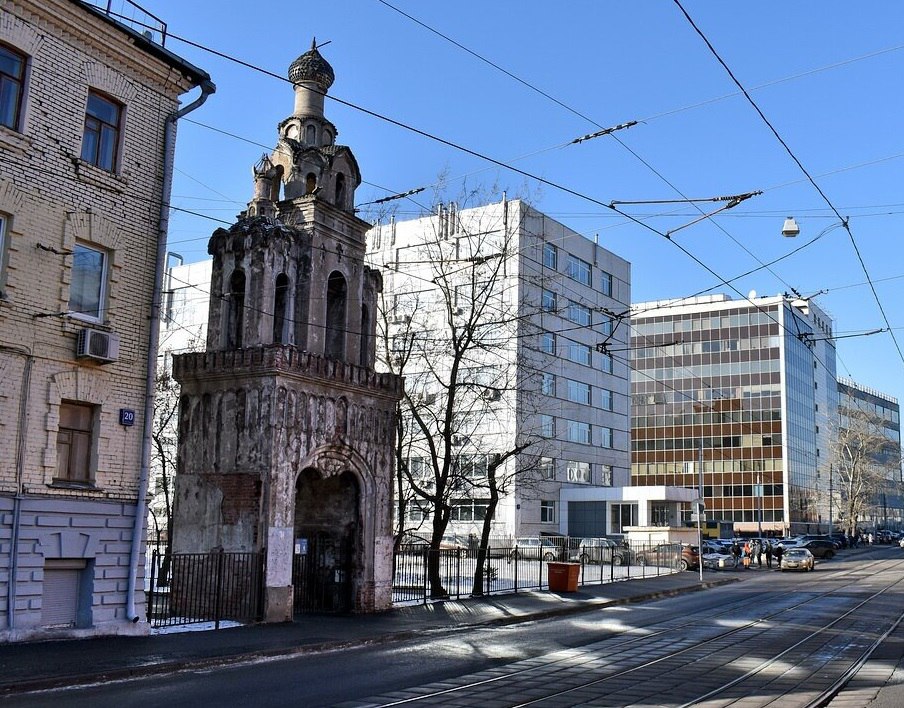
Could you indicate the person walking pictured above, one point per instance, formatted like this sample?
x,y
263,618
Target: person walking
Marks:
x,y
745,555
759,553
779,550
768,553
735,553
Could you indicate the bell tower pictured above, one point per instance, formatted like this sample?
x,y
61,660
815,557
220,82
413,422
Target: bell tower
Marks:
x,y
286,431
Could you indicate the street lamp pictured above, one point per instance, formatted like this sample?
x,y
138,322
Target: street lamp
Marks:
x,y
790,229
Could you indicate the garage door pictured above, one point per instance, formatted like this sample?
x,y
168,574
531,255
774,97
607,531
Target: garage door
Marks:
x,y
587,519
60,596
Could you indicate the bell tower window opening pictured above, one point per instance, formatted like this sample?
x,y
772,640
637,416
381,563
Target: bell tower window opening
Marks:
x,y
340,190
364,354
336,297
235,315
310,183
310,135
280,299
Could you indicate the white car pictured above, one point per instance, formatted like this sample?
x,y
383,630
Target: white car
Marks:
x,y
901,543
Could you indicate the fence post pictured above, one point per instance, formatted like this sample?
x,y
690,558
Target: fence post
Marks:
x,y
219,588
150,600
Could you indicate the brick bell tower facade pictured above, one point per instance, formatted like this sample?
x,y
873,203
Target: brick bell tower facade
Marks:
x,y
286,431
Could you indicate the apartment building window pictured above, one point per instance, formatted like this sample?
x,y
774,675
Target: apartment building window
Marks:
x,y
550,256
547,511
605,399
75,438
547,468
623,515
577,431
578,313
548,301
606,283
87,289
548,383
579,353
578,269
606,363
606,475
605,437
100,142
606,327
469,510
548,343
547,426
578,472
579,392
12,85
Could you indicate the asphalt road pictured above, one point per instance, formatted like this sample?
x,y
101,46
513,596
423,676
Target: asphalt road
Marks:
x,y
766,640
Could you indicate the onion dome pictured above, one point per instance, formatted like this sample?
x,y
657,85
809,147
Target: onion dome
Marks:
x,y
311,66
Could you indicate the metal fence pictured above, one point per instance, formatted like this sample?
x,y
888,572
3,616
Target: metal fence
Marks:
x,y
206,587
513,569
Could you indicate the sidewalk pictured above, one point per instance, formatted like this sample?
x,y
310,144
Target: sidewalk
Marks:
x,y
30,666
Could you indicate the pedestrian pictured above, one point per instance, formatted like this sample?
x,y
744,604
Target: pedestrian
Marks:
x,y
759,553
735,552
869,539
745,555
779,550
768,554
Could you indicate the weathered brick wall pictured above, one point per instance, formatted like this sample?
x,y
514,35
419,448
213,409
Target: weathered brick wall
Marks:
x,y
52,200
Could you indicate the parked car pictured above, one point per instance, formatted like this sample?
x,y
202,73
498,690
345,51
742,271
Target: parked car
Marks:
x,y
820,548
601,550
535,549
797,558
686,556
719,560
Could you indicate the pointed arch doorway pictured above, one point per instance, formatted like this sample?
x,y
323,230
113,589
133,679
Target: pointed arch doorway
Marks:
x,y
327,541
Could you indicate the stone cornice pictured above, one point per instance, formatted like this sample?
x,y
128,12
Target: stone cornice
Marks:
x,y
288,361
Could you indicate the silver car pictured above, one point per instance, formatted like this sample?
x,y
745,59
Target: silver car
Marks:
x,y
601,550
797,559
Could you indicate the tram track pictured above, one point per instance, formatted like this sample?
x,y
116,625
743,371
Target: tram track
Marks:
x,y
618,665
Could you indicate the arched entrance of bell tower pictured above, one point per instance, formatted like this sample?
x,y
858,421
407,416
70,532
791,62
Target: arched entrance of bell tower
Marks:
x,y
328,544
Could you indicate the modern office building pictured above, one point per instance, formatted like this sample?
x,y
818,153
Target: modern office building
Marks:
x,y
88,113
555,302
743,390
861,406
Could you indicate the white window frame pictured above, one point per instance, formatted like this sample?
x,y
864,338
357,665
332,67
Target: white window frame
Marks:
x,y
580,353
548,383
98,314
606,365
605,475
579,270
547,468
579,314
606,283
579,392
550,256
578,432
548,513
547,425
606,399
548,300
607,437
548,343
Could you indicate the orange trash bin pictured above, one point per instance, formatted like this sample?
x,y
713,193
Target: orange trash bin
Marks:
x,y
563,577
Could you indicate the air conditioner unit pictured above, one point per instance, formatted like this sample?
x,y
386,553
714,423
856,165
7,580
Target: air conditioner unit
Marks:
x,y
97,345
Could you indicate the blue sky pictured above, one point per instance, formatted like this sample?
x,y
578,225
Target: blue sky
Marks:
x,y
826,75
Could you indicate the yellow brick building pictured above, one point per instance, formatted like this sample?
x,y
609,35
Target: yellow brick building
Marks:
x,y
88,110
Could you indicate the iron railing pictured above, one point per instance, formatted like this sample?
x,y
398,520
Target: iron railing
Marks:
x,y
206,587
133,16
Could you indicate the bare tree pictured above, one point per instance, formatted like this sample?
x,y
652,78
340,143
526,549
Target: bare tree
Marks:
x,y
163,464
866,463
450,326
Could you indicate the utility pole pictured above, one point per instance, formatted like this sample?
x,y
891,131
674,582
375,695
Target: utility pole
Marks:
x,y
831,521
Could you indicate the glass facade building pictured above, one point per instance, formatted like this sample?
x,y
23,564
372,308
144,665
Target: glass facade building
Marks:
x,y
745,390
883,414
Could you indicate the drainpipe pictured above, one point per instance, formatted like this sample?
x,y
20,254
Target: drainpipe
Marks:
x,y
21,434
169,148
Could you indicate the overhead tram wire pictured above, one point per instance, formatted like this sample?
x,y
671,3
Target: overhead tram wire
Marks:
x,y
473,153
579,114
803,169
